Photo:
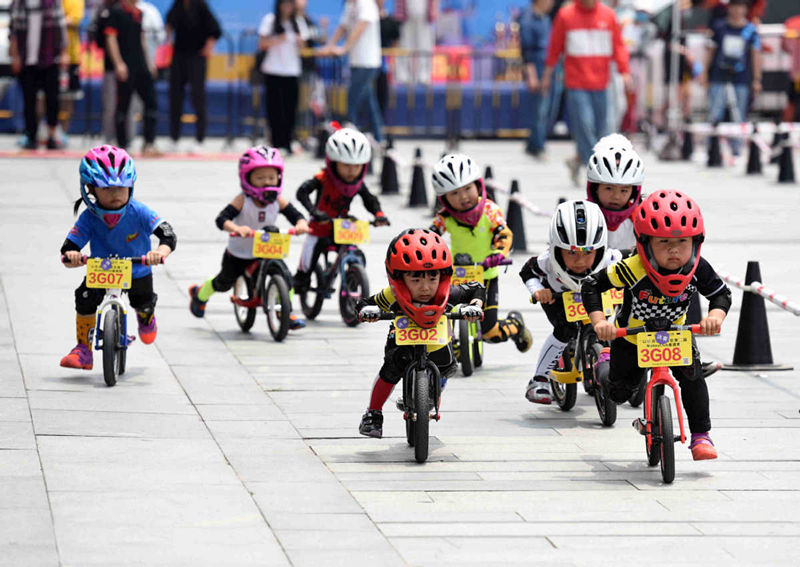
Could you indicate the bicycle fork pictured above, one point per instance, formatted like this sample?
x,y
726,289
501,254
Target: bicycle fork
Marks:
x,y
112,302
660,377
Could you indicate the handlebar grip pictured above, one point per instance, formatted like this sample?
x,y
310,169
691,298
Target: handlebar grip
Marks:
x,y
292,231
64,259
622,333
695,328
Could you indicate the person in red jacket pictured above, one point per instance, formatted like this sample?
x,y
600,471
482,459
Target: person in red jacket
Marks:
x,y
586,33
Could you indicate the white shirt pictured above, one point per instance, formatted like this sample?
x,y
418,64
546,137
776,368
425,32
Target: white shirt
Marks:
x,y
256,218
153,28
282,59
367,50
34,31
623,238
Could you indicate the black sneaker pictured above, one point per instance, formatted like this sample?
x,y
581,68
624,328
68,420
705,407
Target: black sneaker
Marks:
x,y
372,424
709,368
301,282
523,338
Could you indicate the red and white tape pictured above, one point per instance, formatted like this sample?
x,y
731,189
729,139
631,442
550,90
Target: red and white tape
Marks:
x,y
760,289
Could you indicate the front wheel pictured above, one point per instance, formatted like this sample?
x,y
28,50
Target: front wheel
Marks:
x,y
311,300
564,394
651,442
465,352
422,405
243,291
477,344
277,307
667,444
606,407
111,342
354,287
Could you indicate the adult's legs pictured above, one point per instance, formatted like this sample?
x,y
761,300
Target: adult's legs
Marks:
x,y
145,87
538,126
275,113
600,108
50,79
27,80
581,121
362,89
291,92
108,97
197,84
124,92
177,88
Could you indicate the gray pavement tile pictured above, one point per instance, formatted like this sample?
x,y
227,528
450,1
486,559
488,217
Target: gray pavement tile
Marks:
x,y
14,409
314,497
22,492
320,522
118,424
111,400
19,463
476,551
33,555
26,527
262,409
535,529
11,383
16,435
253,429
346,558
356,542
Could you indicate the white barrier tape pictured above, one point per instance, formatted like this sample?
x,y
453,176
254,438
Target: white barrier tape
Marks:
x,y
744,130
522,201
760,289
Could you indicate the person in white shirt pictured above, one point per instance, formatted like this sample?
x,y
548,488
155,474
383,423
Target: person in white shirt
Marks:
x,y
282,35
360,25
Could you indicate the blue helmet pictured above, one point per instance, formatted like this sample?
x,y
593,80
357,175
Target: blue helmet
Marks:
x,y
107,166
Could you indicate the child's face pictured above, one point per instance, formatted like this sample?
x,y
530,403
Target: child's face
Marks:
x,y
422,285
464,198
576,261
349,172
111,198
671,253
737,11
613,197
265,177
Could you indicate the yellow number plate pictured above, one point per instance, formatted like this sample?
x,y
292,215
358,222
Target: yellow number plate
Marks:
x,y
350,232
108,273
406,332
664,348
574,309
465,274
272,245
617,296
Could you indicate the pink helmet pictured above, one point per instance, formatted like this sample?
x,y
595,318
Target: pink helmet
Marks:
x,y
255,157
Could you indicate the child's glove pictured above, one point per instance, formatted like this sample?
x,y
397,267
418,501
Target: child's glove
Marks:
x,y
494,260
470,312
381,220
369,314
320,216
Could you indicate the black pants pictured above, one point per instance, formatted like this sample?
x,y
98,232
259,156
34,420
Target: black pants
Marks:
x,y
32,79
281,101
141,82
625,375
141,296
490,306
232,268
396,359
563,330
187,68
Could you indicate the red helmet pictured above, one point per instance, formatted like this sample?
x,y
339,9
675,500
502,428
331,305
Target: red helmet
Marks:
x,y
419,250
668,214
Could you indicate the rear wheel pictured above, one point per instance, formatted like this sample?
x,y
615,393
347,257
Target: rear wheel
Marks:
x,y
667,444
243,290
277,307
311,300
477,345
422,405
354,287
651,442
111,341
606,407
465,352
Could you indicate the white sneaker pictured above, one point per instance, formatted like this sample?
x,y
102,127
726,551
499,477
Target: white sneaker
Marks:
x,y
174,147
195,148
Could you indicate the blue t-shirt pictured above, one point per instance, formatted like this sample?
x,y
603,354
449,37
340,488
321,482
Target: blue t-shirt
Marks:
x,y
130,238
534,33
733,56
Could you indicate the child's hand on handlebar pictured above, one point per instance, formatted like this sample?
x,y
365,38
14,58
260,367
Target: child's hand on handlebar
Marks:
x,y
471,312
494,260
544,296
301,227
243,231
605,331
157,256
382,221
369,314
74,259
710,325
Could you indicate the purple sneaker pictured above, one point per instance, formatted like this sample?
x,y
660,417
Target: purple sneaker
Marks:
x,y
147,330
79,357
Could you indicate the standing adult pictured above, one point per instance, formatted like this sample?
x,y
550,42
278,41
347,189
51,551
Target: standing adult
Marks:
x,y
127,46
196,32
37,46
417,36
587,34
360,26
534,30
279,35
108,88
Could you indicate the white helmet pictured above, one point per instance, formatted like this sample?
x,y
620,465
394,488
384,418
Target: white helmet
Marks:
x,y
453,172
615,162
577,225
348,145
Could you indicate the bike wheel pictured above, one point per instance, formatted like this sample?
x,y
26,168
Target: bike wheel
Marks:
x,y
465,354
667,444
564,394
111,342
477,345
277,307
311,300
410,431
122,357
354,287
606,407
637,397
422,405
245,316
651,443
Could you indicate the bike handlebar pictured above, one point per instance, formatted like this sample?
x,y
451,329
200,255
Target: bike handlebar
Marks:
x,y
628,331
503,262
292,231
391,315
133,260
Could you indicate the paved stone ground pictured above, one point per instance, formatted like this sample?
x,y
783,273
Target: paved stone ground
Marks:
x,y
219,447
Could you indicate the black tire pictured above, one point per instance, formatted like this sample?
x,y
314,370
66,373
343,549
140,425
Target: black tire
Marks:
x,y
477,345
465,354
422,405
311,301
245,316
637,397
111,342
122,358
354,287
667,440
606,407
277,306
653,451
410,431
565,395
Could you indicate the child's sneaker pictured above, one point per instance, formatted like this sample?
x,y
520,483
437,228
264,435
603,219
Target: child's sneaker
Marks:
x,y
147,327
296,322
539,391
372,424
709,368
702,447
523,338
79,357
196,306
